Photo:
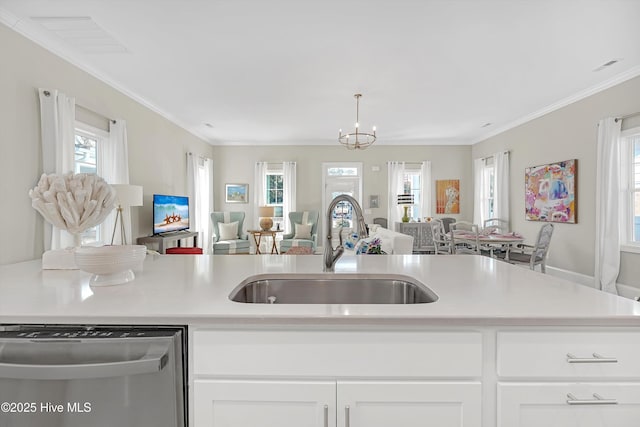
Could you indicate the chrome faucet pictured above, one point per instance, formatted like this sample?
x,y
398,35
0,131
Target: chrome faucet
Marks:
x,y
330,255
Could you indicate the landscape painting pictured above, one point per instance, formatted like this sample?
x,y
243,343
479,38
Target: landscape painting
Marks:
x,y
236,193
448,196
550,192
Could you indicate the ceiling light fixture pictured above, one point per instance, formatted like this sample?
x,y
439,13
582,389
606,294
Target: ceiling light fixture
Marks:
x,y
357,140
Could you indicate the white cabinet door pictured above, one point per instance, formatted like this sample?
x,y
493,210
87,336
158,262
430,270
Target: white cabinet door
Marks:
x,y
549,405
409,404
264,403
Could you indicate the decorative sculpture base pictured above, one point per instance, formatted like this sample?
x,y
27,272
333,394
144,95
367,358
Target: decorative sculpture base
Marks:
x,y
59,259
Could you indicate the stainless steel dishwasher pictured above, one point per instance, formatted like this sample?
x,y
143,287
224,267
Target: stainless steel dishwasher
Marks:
x,y
92,376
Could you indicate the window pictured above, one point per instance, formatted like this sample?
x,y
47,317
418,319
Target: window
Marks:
x,y
341,178
86,161
411,180
274,193
631,221
487,192
636,190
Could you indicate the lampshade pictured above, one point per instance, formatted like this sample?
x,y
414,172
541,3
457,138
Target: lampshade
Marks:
x,y
128,195
405,199
266,211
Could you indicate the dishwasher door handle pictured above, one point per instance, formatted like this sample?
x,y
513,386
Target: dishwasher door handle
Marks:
x,y
154,360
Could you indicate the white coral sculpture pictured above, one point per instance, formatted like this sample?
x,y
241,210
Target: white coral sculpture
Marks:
x,y
73,202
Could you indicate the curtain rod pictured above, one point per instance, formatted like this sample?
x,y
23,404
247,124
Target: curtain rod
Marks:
x,y
408,163
199,155
93,112
48,94
488,157
627,116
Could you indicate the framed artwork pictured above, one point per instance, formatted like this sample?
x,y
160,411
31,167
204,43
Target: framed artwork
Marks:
x,y
236,193
373,201
448,196
550,192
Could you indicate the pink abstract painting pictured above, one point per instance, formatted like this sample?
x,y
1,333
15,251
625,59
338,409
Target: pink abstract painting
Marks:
x,y
550,192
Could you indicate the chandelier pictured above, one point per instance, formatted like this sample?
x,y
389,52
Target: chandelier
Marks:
x,y
357,140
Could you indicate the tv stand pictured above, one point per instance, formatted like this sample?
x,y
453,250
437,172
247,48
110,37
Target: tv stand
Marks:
x,y
163,239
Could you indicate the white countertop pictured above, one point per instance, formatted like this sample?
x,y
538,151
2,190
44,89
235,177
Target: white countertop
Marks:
x,y
187,289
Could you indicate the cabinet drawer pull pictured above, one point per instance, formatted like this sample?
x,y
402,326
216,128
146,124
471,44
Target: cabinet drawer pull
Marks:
x,y
326,415
347,421
599,400
595,359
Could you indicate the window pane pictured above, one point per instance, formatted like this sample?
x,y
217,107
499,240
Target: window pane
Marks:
x,y
85,162
85,154
636,217
342,171
636,164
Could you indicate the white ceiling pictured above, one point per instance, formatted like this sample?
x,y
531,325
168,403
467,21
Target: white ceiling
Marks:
x,y
285,71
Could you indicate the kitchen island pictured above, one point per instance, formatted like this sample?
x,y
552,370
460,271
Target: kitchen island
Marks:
x,y
501,346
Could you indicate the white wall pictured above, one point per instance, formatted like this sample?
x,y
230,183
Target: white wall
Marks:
x,y
157,147
568,133
236,165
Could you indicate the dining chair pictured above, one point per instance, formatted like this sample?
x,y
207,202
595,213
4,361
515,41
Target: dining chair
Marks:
x,y
446,222
536,254
494,225
441,243
497,224
469,243
382,222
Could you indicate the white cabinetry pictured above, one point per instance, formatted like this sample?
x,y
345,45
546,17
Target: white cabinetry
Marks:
x,y
567,378
264,403
409,404
336,378
256,403
549,404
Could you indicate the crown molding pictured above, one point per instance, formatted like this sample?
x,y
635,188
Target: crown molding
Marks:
x,y
29,31
615,80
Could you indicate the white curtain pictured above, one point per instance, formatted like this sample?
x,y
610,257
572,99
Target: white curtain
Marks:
x,y
609,197
425,185
395,178
57,126
259,192
289,197
479,192
199,185
501,186
113,166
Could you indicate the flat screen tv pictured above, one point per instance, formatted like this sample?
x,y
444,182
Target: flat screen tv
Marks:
x,y
170,213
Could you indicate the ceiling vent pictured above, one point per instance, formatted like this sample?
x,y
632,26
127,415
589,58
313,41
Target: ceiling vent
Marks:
x,y
608,64
82,33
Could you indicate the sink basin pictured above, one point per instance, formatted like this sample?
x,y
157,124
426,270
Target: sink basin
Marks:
x,y
332,289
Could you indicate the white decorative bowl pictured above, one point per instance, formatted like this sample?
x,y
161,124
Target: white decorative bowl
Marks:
x,y
110,265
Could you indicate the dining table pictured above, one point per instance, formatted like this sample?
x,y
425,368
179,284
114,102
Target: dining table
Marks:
x,y
492,239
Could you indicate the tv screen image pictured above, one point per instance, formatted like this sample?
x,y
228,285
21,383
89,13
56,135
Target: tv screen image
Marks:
x,y
170,213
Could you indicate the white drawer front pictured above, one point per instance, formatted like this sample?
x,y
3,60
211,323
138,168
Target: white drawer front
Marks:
x,y
337,353
568,404
569,354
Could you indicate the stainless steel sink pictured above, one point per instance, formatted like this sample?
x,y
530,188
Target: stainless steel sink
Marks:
x,y
332,289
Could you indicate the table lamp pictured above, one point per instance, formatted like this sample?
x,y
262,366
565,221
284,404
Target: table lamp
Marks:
x,y
266,217
126,195
405,200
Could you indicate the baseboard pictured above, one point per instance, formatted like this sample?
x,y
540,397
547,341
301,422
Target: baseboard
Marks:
x,y
571,276
626,291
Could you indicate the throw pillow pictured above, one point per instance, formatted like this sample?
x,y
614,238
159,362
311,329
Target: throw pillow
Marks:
x,y
351,241
228,231
370,245
303,231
